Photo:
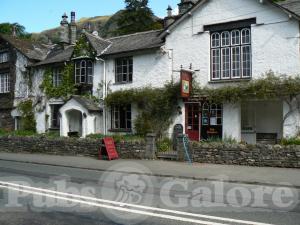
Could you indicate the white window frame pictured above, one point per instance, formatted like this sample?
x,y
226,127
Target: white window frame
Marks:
x,y
239,39
4,56
4,83
126,70
57,77
116,117
84,72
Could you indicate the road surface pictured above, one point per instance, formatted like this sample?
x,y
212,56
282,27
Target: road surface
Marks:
x,y
32,194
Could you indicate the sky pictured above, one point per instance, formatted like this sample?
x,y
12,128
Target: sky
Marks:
x,y
39,15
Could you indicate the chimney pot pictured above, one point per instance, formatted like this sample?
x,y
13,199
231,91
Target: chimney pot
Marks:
x,y
170,11
73,17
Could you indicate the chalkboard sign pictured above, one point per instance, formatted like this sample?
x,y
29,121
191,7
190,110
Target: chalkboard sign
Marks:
x,y
178,129
108,149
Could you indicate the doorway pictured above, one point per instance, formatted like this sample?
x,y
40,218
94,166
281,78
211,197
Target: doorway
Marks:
x,y
193,118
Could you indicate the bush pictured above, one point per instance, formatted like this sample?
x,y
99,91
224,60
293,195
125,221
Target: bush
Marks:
x,y
164,145
291,141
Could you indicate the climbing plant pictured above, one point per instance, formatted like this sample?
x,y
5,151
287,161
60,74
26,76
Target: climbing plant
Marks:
x,y
65,89
83,48
28,118
270,86
156,106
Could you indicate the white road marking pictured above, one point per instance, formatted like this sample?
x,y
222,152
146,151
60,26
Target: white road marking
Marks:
x,y
121,204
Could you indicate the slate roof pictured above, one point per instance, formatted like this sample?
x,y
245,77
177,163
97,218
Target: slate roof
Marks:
x,y
99,44
57,55
87,103
134,42
30,49
291,5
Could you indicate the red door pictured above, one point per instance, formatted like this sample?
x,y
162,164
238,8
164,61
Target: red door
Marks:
x,y
192,124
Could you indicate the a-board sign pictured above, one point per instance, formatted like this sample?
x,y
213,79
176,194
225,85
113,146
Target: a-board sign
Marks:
x,y
108,149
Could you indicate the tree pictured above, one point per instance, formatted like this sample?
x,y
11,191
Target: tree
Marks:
x,y
136,17
8,28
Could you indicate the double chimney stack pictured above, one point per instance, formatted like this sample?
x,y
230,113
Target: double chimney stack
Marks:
x,y
68,31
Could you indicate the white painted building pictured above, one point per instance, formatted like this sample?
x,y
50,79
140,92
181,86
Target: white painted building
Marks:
x,y
223,42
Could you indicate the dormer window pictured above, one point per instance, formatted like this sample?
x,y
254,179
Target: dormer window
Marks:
x,y
4,57
84,72
231,54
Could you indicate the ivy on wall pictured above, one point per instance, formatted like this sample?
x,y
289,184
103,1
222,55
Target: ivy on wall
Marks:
x,y
66,88
27,112
271,86
156,106
83,48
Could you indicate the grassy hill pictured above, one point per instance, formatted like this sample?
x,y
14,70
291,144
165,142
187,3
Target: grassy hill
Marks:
x,y
105,25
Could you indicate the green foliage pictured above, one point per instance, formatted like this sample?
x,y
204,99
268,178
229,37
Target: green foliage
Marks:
x,y
28,118
271,86
291,141
164,145
136,17
156,106
83,48
65,89
7,28
17,133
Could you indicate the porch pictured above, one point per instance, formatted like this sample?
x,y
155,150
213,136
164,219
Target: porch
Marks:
x,y
80,117
250,122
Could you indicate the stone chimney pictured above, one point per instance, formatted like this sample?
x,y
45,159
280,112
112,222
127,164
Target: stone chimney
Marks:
x,y
14,31
73,29
170,18
185,5
64,30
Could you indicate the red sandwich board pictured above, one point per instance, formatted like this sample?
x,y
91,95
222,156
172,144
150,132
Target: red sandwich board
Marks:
x,y
108,149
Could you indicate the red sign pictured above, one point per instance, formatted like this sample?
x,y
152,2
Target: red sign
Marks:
x,y
186,83
108,149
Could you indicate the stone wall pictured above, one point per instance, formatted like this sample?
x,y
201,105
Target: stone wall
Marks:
x,y
68,146
248,155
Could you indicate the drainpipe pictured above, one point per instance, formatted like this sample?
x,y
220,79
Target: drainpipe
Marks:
x,y
104,93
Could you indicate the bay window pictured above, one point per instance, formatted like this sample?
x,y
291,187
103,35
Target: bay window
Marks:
x,y
231,54
4,83
84,72
4,56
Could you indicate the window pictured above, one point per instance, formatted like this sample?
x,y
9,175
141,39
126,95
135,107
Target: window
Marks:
x,y
231,54
84,72
121,117
4,83
211,114
124,70
4,57
57,77
55,121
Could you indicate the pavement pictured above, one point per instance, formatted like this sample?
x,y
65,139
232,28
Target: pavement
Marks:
x,y
210,172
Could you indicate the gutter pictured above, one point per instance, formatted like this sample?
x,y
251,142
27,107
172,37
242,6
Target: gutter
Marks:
x,y
104,93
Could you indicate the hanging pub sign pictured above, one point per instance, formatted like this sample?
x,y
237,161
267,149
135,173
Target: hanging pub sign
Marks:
x,y
186,83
